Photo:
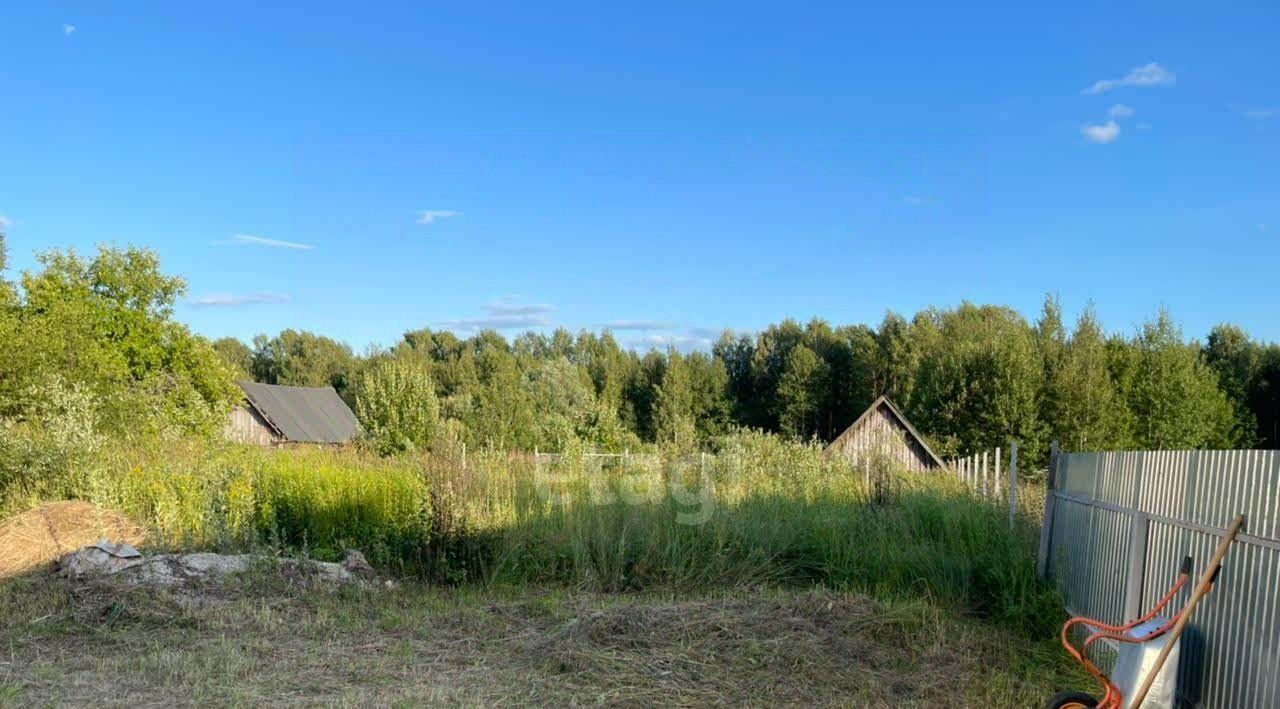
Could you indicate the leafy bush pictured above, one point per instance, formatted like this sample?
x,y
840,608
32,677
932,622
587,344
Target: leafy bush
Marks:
x,y
104,326
397,407
47,453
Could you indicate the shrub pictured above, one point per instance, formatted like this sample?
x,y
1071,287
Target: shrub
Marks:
x,y
397,407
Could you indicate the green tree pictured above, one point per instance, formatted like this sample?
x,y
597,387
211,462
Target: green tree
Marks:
x,y
1082,408
7,294
803,381
852,366
712,407
897,357
301,358
1233,356
563,402
773,347
503,416
1264,397
1175,394
979,382
236,355
105,326
397,406
673,402
736,353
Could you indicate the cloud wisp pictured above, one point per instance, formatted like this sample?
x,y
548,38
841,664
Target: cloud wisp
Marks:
x,y
914,200
507,313
1148,75
1259,114
690,340
251,240
5,223
510,305
232,300
636,325
68,29
1121,111
1101,134
430,216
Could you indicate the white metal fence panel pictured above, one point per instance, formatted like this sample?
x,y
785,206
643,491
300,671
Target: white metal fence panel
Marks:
x,y
1118,526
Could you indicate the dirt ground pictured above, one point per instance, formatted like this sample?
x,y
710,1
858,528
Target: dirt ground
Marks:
x,y
259,641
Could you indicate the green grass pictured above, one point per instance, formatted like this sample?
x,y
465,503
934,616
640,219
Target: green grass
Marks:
x,y
762,512
198,495
767,573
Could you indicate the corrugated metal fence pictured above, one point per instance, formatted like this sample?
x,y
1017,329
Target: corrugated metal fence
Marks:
x,y
1118,524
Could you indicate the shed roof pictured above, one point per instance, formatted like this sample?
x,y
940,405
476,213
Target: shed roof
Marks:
x,y
303,414
887,405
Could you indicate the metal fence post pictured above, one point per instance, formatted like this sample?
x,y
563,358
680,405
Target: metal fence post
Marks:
x,y
1138,537
1013,484
1046,528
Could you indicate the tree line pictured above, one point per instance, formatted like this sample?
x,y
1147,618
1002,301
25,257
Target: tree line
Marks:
x,y
100,331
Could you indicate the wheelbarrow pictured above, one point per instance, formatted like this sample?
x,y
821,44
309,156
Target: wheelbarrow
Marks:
x,y
1145,646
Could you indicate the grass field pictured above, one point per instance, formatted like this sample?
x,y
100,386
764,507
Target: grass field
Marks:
x,y
764,574
258,641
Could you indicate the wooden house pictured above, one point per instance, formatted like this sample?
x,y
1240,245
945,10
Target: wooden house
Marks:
x,y
883,432
273,415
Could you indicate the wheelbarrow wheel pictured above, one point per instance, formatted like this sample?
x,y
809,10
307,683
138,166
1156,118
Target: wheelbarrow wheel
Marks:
x,y
1071,700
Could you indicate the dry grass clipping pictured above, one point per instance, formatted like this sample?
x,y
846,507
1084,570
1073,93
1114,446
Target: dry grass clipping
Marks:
x,y
44,533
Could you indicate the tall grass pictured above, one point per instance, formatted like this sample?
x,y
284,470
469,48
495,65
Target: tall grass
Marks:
x,y
761,511
197,495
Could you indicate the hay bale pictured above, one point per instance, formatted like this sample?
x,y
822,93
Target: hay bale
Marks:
x,y
44,533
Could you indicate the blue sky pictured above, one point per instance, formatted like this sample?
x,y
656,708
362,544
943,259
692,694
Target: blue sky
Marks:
x,y
667,168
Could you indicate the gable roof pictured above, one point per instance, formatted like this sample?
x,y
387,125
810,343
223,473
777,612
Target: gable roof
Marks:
x,y
884,402
303,414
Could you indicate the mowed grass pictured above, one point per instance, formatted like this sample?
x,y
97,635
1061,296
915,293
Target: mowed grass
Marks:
x,y
257,641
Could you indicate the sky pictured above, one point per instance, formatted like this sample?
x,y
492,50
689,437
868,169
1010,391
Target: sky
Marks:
x,y
665,169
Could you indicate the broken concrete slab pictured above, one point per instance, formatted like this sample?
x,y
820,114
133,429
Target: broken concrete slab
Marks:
x,y
125,564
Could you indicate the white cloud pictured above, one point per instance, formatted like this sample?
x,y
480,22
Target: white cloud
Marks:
x,y
1261,113
507,313
912,200
1120,111
687,341
1150,75
637,325
230,300
515,322
1104,133
68,29
429,216
5,222
270,243
510,305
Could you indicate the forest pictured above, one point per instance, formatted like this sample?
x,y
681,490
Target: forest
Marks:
x,y
94,341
